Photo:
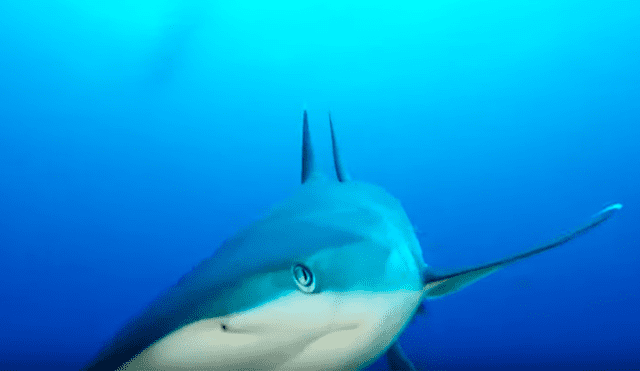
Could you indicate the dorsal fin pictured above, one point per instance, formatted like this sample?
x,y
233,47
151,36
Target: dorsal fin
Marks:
x,y
341,172
307,151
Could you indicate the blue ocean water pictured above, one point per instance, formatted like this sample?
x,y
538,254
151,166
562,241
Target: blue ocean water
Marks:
x,y
136,136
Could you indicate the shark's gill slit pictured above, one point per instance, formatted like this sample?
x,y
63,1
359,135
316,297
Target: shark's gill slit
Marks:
x,y
304,278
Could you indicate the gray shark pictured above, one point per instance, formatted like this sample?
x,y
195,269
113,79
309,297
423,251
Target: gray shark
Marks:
x,y
328,280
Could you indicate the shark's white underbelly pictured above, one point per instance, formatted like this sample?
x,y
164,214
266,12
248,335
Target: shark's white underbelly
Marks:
x,y
338,331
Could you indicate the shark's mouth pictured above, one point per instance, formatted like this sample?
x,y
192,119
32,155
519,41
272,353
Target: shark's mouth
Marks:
x,y
334,332
212,344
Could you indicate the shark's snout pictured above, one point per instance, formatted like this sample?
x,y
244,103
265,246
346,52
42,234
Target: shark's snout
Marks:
x,y
270,335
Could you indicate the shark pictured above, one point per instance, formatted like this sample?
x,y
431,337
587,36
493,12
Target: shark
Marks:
x,y
327,280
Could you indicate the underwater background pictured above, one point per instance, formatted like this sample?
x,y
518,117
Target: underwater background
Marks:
x,y
135,136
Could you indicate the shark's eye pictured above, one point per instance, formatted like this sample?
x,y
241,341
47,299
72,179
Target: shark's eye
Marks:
x,y
304,278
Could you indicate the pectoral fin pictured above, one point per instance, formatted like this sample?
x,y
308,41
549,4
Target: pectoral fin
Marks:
x,y
397,360
436,285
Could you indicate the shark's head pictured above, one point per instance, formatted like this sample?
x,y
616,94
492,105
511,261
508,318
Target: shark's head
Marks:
x,y
323,282
326,281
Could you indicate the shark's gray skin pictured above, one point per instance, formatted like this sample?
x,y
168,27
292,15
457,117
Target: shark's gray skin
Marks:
x,y
327,281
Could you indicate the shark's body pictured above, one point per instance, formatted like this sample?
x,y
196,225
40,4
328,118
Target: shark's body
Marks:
x,y
327,281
